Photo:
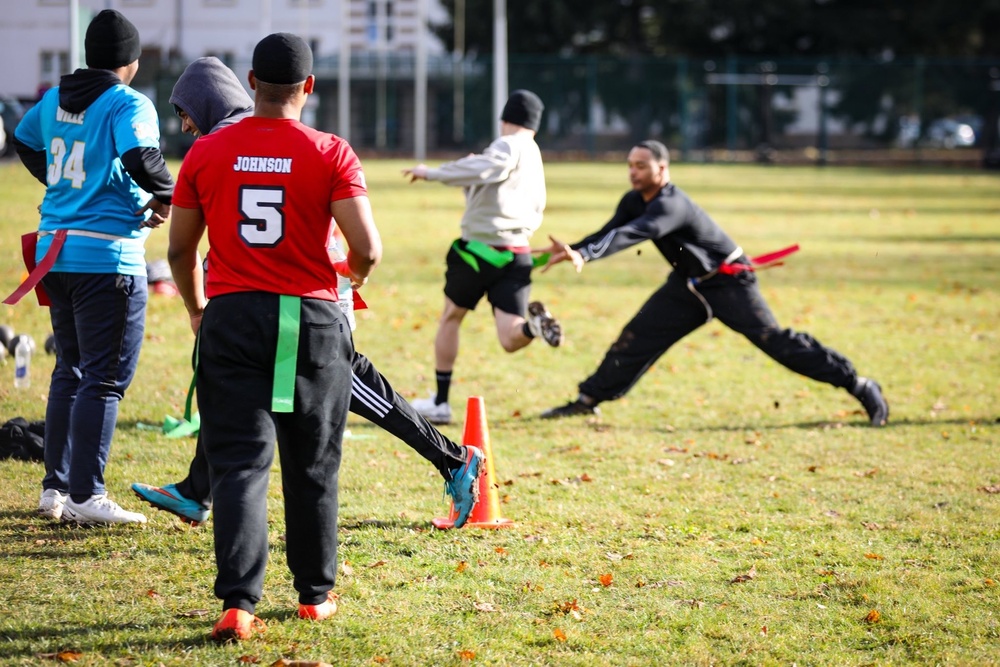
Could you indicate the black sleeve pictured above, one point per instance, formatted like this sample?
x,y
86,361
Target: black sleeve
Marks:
x,y
35,161
147,167
656,221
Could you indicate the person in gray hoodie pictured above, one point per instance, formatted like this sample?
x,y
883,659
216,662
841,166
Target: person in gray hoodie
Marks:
x,y
208,97
504,199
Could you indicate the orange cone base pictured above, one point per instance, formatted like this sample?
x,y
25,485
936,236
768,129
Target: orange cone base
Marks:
x,y
446,524
486,512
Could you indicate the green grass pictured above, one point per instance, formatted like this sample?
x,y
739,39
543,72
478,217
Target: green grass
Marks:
x,y
718,463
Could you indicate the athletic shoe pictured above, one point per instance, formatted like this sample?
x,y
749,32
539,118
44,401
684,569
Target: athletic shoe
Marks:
x,y
571,409
464,485
237,624
543,325
51,504
869,392
321,611
98,510
435,413
169,499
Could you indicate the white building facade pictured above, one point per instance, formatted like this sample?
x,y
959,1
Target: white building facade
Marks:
x,y
35,34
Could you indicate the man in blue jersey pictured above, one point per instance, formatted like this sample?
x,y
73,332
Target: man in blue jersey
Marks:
x,y
94,143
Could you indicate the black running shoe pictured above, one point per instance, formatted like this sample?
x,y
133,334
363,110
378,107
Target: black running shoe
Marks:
x,y
571,409
870,394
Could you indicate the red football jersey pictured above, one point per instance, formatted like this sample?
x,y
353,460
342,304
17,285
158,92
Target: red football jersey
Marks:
x,y
264,186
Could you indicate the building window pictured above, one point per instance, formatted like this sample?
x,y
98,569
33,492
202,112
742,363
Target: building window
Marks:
x,y
53,65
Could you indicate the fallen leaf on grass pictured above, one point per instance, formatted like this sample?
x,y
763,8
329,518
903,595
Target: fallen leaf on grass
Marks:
x,y
567,607
500,550
153,595
346,569
461,567
194,613
694,604
867,473
605,579
873,616
62,656
249,659
750,574
485,607
989,582
995,488
874,556
378,563
281,662
559,635
665,462
467,655
763,630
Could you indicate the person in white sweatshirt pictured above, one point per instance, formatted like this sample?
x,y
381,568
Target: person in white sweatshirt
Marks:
x,y
505,197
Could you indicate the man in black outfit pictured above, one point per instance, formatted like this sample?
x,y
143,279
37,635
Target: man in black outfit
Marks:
x,y
712,277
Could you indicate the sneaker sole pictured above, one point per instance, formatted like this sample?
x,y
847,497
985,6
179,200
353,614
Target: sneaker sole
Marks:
x,y
183,517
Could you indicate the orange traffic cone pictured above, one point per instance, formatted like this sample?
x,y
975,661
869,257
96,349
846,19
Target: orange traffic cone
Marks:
x,y
486,512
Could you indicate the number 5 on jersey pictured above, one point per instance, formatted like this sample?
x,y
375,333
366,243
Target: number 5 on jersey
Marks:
x,y
263,224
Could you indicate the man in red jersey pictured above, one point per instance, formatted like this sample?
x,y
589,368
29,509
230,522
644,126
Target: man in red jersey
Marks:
x,y
275,349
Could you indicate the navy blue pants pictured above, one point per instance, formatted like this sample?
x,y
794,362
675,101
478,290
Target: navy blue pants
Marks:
x,y
235,380
673,312
98,322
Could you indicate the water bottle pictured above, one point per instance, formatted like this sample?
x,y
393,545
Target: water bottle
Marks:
x,y
345,293
22,363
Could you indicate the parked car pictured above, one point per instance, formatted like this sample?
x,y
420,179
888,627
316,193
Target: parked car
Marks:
x,y
11,112
955,132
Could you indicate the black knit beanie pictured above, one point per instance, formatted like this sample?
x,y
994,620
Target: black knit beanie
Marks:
x,y
523,108
112,41
282,58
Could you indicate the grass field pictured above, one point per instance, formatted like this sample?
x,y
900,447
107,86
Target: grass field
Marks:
x,y
725,512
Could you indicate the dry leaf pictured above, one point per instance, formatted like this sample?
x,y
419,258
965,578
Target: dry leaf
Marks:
x,y
484,607
378,563
61,656
567,607
873,616
153,594
194,613
282,662
467,654
559,635
586,478
461,567
750,574
500,550
379,659
995,488
873,556
665,462
346,569
248,659
763,630
605,579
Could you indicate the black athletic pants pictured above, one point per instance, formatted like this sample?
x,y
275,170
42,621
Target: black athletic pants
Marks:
x,y
673,312
235,384
373,398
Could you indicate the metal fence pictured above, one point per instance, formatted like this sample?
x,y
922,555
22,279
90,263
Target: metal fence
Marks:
x,y
718,109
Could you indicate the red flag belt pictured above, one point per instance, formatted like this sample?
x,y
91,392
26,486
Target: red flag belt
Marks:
x,y
37,272
760,261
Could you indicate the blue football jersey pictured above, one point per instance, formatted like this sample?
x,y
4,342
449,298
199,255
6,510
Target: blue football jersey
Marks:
x,y
88,188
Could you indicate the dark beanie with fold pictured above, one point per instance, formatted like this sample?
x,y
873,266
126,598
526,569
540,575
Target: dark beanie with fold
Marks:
x,y
523,108
111,41
282,58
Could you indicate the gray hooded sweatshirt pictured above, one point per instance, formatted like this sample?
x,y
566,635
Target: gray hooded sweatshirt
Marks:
x,y
211,94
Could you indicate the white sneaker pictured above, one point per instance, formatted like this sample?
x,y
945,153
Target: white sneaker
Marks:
x,y
543,325
98,509
51,504
435,413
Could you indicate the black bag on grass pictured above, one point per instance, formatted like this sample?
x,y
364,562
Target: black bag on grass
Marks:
x,y
22,441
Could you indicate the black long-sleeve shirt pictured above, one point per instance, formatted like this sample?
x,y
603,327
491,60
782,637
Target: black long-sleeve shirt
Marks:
x,y
685,235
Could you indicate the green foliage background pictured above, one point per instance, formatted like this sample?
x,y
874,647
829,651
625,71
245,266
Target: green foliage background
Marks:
x,y
717,466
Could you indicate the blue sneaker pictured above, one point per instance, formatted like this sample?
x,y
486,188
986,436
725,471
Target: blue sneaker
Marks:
x,y
464,485
169,499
